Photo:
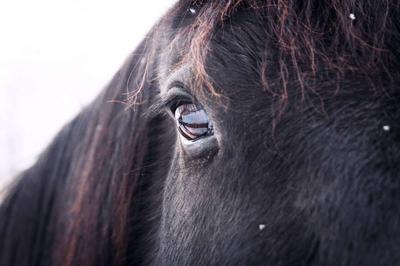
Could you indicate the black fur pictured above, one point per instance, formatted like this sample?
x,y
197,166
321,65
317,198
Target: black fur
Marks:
x,y
313,164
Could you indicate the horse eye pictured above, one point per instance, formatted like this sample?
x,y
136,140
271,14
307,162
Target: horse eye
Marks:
x,y
192,121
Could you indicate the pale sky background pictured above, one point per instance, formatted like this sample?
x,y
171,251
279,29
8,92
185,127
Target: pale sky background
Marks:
x,y
55,56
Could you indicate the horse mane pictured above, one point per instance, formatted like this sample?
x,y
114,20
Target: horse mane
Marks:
x,y
72,207
75,205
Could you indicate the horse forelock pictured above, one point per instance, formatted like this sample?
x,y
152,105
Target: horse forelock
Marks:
x,y
309,37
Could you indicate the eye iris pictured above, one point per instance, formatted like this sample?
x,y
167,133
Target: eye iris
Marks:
x,y
193,122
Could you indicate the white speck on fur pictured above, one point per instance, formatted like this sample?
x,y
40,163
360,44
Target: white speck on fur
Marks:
x,y
352,16
386,127
261,227
192,10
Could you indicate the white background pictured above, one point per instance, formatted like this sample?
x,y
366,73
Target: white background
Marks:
x,y
55,56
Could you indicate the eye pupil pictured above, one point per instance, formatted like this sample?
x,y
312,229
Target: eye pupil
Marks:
x,y
192,121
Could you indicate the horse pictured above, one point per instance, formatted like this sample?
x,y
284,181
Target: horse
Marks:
x,y
239,132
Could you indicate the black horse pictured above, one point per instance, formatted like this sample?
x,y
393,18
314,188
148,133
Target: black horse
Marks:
x,y
240,132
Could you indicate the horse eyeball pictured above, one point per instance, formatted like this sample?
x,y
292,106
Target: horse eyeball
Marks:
x,y
193,122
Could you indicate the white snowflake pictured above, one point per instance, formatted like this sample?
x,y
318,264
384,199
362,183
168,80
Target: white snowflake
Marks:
x,y
261,227
352,16
192,10
386,127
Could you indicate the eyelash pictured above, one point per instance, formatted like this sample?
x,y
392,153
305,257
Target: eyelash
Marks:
x,y
173,103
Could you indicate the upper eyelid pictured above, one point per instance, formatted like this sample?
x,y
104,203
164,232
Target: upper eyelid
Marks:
x,y
175,93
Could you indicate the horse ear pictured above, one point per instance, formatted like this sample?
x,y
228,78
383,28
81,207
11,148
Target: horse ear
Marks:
x,y
72,207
